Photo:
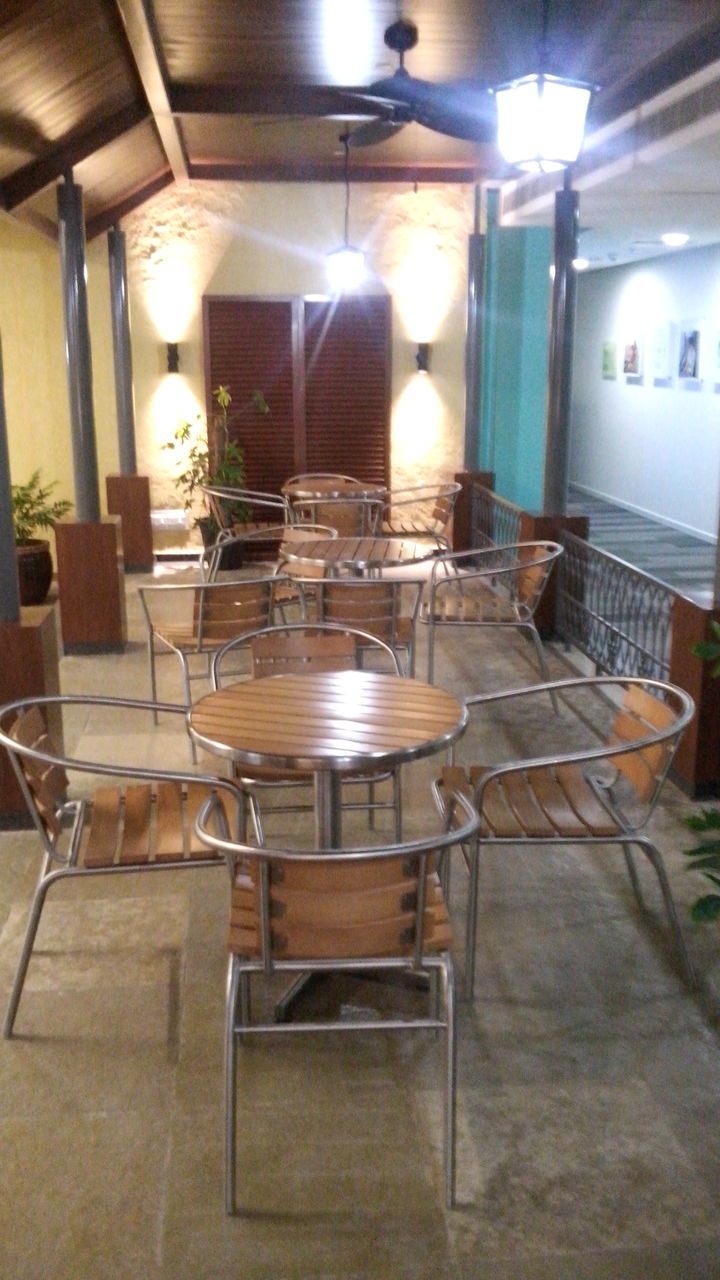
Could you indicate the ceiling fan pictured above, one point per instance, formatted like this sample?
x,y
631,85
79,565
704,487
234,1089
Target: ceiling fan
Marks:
x,y
456,108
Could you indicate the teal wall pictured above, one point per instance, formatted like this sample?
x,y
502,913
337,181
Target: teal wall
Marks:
x,y
515,337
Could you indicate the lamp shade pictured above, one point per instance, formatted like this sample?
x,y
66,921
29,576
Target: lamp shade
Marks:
x,y
345,267
541,121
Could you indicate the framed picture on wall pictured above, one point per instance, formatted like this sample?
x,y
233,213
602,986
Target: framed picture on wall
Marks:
x,y
662,348
609,359
689,350
632,357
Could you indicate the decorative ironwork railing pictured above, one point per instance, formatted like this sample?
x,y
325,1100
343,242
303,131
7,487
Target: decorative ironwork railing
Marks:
x,y
493,519
616,615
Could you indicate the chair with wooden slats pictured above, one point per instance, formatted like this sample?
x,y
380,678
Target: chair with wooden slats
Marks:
x,y
299,648
133,820
421,511
352,517
388,608
194,620
496,587
604,794
377,909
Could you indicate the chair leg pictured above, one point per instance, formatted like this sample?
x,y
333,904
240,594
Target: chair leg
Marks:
x,y
530,626
431,651
472,859
231,1000
654,857
632,872
448,983
153,675
38,903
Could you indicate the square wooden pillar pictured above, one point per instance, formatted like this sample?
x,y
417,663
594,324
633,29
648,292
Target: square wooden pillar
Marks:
x,y
129,498
91,584
697,762
29,667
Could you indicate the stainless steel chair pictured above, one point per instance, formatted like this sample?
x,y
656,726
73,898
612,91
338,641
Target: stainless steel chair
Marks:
x,y
603,794
421,511
133,819
341,910
498,587
386,607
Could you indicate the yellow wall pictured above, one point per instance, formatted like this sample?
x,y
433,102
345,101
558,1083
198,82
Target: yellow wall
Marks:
x,y
267,239
32,330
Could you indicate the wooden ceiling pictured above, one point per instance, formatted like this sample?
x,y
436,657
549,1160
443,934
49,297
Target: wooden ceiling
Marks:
x,y
132,95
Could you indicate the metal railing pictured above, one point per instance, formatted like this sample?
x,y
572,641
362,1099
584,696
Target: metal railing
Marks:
x,y
493,519
616,615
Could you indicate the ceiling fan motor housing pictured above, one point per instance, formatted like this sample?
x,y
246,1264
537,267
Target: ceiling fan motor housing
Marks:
x,y
401,36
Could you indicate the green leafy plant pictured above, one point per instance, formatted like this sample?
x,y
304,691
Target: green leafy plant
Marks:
x,y
706,854
32,508
212,459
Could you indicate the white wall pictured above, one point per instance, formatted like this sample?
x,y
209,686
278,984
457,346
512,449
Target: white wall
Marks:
x,y
655,449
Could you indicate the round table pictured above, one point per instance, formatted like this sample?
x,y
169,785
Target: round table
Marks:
x,y
357,555
315,488
330,724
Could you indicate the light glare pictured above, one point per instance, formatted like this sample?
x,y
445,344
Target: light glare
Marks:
x,y
541,121
345,268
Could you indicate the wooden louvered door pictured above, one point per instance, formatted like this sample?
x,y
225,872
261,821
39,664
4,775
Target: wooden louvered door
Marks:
x,y
248,347
347,386
324,369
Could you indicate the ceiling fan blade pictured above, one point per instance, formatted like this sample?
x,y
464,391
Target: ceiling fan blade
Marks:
x,y
375,131
459,109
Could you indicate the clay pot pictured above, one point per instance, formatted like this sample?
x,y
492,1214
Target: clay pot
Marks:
x,y
35,570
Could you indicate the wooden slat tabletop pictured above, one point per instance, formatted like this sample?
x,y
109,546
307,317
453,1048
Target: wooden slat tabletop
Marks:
x,y
357,553
327,721
331,487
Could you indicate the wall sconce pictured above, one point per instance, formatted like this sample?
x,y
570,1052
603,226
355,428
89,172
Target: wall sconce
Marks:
x,y
173,357
422,357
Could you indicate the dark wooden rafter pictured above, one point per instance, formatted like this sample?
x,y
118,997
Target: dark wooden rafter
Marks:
x,y
95,226
26,182
267,98
321,172
145,48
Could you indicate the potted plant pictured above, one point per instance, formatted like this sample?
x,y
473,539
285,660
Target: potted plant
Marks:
x,y
212,459
33,509
705,855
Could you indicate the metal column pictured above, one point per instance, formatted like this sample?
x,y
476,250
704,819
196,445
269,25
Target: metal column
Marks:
x,y
562,328
122,356
473,341
77,349
9,589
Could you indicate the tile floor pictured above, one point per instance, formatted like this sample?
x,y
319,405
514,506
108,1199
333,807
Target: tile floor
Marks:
x,y
588,1103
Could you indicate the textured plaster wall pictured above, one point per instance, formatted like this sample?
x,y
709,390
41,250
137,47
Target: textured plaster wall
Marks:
x,y
271,240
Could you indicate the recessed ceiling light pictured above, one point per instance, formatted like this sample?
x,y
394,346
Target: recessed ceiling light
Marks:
x,y
675,239
581,264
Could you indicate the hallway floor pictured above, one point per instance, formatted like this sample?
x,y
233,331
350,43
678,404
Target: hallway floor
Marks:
x,y
588,1078
679,559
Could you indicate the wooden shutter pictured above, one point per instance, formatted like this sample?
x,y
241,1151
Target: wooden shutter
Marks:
x,y
347,386
249,346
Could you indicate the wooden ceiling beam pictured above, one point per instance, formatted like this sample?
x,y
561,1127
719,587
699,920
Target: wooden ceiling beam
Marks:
x,y
38,174
145,47
310,172
103,221
267,99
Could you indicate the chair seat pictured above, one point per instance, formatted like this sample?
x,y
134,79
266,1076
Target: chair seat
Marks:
x,y
186,639
139,824
481,606
556,802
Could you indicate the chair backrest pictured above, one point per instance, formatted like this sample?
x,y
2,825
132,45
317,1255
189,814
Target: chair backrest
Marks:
x,y
651,721
338,904
352,517
516,571
302,532
221,610
421,509
230,506
44,785
376,605
301,647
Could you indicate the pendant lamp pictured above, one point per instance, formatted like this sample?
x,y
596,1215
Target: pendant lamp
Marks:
x,y
346,265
